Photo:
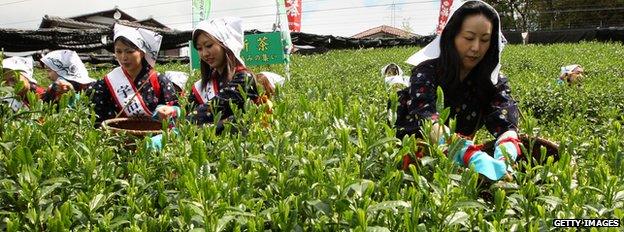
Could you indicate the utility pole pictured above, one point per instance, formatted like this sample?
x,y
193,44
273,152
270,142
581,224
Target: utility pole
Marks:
x,y
393,13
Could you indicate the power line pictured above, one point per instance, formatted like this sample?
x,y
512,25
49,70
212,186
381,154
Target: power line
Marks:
x,y
19,22
156,4
582,10
331,9
9,3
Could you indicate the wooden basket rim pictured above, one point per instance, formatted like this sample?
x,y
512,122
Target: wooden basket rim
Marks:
x,y
105,125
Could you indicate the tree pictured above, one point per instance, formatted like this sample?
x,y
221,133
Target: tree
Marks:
x,y
529,15
518,14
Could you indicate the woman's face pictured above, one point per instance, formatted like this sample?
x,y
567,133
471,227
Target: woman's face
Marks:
x,y
11,77
128,57
52,75
210,51
473,41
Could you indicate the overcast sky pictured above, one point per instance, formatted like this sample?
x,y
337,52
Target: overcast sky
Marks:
x,y
326,17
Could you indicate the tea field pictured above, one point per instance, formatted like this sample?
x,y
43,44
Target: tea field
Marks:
x,y
328,162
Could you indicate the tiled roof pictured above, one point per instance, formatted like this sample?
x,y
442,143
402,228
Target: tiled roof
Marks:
x,y
54,21
384,29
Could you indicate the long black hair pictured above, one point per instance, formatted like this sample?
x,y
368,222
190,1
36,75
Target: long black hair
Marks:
x,y
449,63
206,71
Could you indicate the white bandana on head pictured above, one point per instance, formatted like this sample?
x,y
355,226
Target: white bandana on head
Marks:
x,y
146,40
177,78
385,68
570,69
228,30
274,79
397,79
67,65
432,50
22,64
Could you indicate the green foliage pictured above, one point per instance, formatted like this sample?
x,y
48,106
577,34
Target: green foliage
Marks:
x,y
327,162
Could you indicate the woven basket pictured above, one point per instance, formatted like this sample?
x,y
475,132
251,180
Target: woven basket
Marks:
x,y
552,149
135,126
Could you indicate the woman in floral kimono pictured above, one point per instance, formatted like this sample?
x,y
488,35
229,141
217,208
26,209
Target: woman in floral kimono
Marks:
x,y
224,78
464,61
134,89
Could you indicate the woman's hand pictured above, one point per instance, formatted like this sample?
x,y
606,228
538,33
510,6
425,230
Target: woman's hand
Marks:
x,y
63,86
165,112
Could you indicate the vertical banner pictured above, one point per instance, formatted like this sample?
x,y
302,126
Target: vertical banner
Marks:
x,y
200,12
282,16
445,10
285,32
293,11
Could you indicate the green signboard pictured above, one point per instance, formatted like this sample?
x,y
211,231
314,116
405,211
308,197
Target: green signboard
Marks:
x,y
259,49
194,56
262,49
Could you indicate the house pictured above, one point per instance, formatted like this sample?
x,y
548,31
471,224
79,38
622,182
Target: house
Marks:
x,y
106,19
383,31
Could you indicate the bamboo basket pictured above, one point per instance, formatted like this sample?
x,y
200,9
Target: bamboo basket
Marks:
x,y
139,127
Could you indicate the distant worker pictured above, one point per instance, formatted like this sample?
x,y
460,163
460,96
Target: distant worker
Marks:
x,y
179,80
394,78
18,71
66,71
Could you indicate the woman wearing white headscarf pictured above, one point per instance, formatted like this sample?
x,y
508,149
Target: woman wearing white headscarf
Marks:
x,y
19,69
393,77
223,72
66,71
134,89
464,61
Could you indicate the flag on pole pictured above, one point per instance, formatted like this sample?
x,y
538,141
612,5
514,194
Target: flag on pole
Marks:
x,y
285,31
293,11
200,12
445,10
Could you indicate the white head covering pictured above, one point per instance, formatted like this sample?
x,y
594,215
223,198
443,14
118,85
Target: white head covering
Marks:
x,y
177,78
384,68
22,64
146,40
274,79
67,65
432,50
228,30
570,69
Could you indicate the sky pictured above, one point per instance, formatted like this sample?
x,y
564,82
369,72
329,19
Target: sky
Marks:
x,y
323,17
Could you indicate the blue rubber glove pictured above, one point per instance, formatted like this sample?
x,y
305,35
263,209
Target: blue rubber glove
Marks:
x,y
471,155
155,143
509,142
72,101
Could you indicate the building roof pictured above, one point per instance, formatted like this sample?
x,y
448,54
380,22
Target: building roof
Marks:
x,y
107,13
152,22
53,21
384,29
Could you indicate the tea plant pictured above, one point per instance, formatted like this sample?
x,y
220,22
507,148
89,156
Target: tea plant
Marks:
x,y
328,161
